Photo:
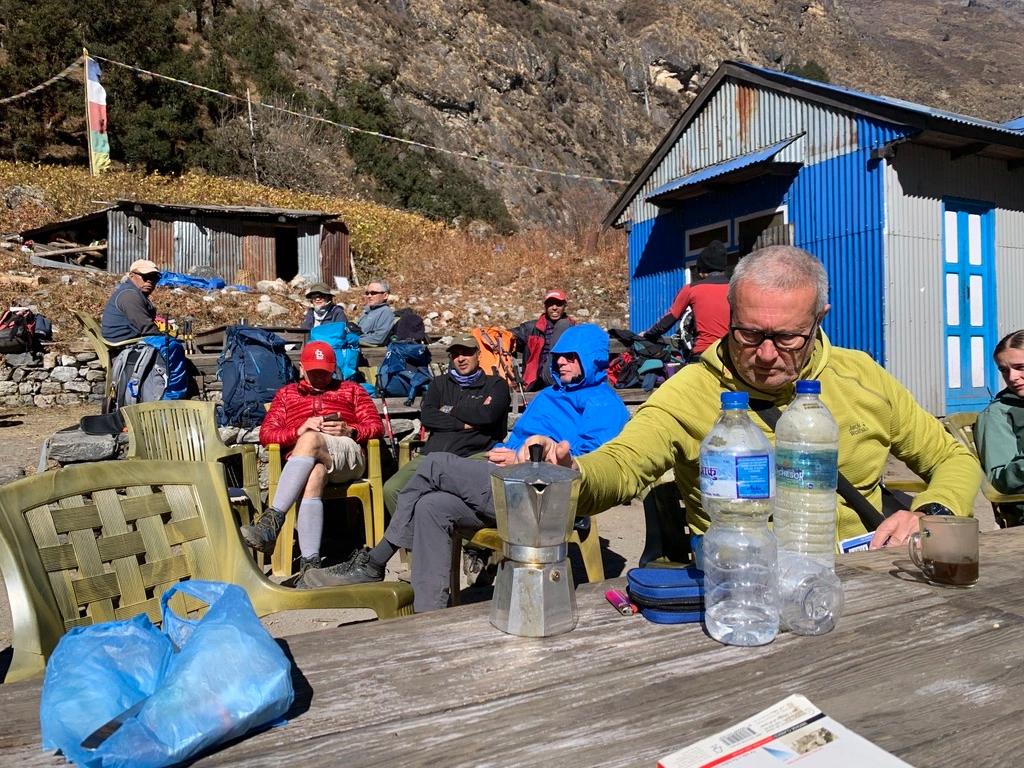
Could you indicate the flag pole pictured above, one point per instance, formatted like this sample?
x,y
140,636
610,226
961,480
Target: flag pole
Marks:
x,y
88,120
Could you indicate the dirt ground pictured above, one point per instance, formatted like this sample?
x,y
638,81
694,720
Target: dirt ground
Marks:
x,y
622,529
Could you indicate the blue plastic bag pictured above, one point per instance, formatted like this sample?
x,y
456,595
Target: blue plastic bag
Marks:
x,y
201,682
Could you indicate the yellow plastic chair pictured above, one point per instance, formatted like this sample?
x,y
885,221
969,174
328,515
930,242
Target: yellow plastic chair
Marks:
x,y
961,426
186,430
103,541
369,491
105,351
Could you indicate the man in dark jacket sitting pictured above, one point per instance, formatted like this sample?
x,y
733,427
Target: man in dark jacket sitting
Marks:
x,y
465,410
129,314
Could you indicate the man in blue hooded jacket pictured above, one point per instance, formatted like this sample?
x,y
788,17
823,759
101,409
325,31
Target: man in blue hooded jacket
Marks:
x,y
449,492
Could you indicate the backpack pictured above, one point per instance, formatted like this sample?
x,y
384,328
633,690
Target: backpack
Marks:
x,y
18,330
624,371
252,367
344,338
149,370
404,372
496,356
409,327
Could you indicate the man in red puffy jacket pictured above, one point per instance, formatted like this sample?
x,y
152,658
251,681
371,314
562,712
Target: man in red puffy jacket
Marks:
x,y
323,424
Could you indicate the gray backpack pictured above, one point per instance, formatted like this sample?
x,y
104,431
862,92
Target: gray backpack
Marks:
x,y
139,375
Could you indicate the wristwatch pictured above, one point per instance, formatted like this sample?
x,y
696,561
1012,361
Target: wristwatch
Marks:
x,y
934,508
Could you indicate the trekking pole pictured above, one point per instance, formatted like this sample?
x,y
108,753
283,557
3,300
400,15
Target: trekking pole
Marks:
x,y
389,432
507,362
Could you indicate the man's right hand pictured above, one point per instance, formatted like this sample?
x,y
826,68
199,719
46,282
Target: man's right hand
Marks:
x,y
554,453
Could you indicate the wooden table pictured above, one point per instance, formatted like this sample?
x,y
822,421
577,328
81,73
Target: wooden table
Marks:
x,y
933,675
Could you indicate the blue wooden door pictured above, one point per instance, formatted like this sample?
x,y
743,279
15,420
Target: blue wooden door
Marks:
x,y
970,306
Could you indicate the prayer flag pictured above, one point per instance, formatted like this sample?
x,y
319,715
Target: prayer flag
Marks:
x,y
96,100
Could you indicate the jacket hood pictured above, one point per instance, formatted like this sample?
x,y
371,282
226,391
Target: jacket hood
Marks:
x,y
1009,397
590,343
716,358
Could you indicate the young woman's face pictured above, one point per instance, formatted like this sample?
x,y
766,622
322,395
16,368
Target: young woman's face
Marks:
x,y
1011,365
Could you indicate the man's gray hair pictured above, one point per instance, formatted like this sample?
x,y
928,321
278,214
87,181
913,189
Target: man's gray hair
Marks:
x,y
781,268
384,285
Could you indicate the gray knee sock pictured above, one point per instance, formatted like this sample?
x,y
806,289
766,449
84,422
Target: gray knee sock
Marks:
x,y
293,481
310,526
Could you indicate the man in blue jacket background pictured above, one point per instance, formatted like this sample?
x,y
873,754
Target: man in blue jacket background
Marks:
x,y
449,492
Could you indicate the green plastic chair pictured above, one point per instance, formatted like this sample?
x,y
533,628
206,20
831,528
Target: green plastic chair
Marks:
x,y
961,426
105,351
186,430
103,541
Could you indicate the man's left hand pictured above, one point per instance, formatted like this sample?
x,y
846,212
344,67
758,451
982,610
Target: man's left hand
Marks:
x,y
503,457
895,530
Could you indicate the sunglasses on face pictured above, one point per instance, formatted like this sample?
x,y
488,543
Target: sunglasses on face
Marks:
x,y
373,293
149,277
319,297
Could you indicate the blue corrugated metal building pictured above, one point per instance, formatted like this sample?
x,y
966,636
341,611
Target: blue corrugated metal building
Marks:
x,y
916,213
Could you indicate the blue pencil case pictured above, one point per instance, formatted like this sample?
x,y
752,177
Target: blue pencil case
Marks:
x,y
668,595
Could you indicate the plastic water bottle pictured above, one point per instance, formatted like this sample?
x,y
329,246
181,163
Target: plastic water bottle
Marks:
x,y
737,475
810,595
806,461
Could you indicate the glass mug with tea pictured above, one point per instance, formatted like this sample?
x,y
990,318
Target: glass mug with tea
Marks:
x,y
946,550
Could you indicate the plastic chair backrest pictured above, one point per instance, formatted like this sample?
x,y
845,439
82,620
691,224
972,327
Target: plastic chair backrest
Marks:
x,y
103,541
173,430
961,426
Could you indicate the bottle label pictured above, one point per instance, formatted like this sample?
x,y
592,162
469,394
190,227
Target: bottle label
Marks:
x,y
798,470
725,476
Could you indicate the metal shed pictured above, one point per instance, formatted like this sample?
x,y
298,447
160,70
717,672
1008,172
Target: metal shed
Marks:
x,y
916,213
242,244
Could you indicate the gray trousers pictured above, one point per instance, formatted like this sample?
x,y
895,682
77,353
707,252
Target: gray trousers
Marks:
x,y
446,493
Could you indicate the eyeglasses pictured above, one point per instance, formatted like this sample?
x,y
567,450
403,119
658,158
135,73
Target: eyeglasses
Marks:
x,y
755,337
372,293
149,277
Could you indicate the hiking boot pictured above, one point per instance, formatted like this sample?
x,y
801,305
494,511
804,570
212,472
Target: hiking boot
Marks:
x,y
474,561
305,564
262,535
356,570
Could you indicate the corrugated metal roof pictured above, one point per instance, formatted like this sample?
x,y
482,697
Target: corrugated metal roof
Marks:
x,y
955,132
909,106
720,169
247,210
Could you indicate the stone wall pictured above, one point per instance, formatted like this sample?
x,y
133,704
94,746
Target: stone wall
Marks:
x,y
50,380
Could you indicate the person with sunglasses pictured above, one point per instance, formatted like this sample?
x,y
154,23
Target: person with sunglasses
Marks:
x,y
129,313
778,297
322,308
378,318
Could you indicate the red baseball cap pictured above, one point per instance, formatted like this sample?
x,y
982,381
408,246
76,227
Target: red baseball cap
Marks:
x,y
318,356
556,294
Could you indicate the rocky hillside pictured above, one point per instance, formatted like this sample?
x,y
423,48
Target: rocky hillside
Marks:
x,y
591,85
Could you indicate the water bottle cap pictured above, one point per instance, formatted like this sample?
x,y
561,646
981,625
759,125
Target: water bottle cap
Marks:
x,y
808,387
735,401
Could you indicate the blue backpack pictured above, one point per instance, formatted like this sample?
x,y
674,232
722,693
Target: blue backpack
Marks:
x,y
344,338
404,371
252,367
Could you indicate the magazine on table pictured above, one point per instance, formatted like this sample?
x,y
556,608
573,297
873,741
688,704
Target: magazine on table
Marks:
x,y
794,731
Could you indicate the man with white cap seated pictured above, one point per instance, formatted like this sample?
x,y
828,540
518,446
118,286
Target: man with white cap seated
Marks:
x,y
129,313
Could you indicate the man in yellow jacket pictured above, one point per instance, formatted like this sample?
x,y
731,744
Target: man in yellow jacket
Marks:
x,y
778,298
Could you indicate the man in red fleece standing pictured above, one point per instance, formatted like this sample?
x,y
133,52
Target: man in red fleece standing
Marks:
x,y
323,424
